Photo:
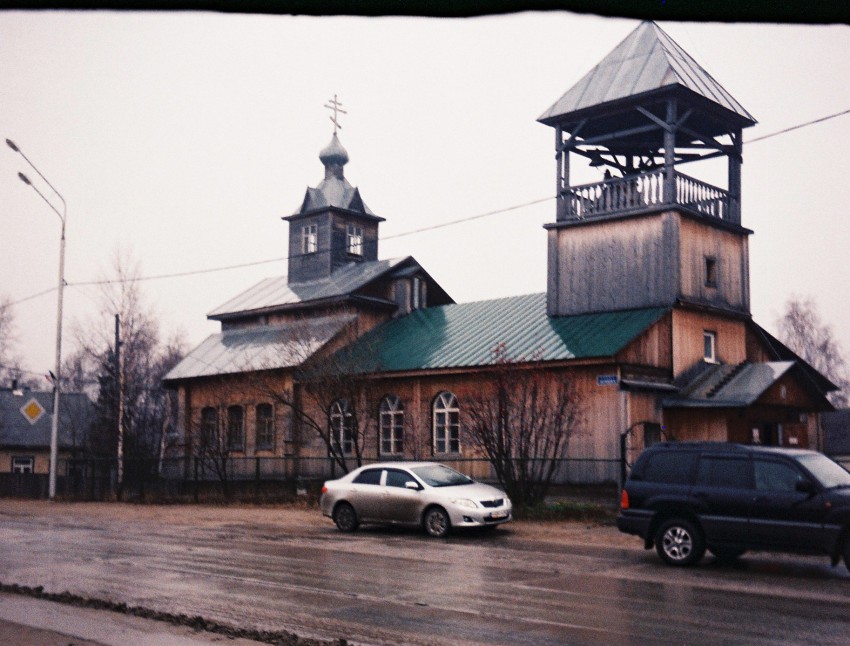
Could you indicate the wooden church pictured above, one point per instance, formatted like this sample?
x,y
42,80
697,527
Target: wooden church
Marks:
x,y
646,309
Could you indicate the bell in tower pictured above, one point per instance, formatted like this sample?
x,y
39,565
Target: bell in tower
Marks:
x,y
647,234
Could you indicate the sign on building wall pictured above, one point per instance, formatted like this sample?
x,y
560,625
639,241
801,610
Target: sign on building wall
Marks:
x,y
606,380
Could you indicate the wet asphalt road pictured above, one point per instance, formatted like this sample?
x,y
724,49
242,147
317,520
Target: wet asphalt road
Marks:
x,y
388,586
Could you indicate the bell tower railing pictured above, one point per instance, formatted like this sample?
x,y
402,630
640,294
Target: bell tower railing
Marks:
x,y
646,191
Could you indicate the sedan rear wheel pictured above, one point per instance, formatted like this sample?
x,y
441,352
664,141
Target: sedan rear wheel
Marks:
x,y
345,517
437,522
679,542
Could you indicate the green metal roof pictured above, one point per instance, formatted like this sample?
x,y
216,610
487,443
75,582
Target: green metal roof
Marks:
x,y
465,335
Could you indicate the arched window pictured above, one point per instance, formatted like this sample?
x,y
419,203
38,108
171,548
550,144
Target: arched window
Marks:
x,y
342,421
265,426
209,426
235,428
446,421
392,426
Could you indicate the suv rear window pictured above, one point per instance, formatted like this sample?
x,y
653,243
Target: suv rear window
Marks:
x,y
735,473
669,467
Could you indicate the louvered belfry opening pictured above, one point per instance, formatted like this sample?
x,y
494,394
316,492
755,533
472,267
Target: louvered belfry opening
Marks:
x,y
642,117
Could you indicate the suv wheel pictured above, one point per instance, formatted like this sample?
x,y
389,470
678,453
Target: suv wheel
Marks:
x,y
679,542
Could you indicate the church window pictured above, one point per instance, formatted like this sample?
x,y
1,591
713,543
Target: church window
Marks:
x,y
355,240
265,426
392,425
710,272
342,427
209,426
235,428
709,346
446,421
309,238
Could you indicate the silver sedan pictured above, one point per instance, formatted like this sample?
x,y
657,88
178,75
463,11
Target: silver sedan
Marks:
x,y
413,493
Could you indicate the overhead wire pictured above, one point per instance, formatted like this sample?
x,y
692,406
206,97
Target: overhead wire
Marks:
x,y
433,227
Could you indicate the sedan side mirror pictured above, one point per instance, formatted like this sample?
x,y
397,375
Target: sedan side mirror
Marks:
x,y
410,484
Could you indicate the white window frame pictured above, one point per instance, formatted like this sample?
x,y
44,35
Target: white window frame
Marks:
x,y
391,425
23,464
709,346
309,238
354,239
341,426
446,424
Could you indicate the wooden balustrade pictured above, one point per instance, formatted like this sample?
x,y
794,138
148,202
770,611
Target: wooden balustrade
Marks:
x,y
643,191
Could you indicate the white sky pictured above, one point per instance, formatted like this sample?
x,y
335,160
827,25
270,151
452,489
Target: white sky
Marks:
x,y
183,138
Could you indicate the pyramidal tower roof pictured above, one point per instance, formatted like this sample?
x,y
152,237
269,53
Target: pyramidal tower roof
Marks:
x,y
645,62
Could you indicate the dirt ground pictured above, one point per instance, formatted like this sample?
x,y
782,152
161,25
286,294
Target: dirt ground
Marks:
x,y
281,517
296,519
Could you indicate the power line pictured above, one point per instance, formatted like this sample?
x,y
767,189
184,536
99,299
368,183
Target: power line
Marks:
x,y
798,126
197,272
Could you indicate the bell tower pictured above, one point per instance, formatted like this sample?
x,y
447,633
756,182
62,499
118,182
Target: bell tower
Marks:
x,y
646,234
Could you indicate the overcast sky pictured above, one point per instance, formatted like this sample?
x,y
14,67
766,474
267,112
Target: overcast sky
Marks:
x,y
184,138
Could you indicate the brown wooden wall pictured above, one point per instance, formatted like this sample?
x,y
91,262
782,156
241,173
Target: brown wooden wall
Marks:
x,y
688,341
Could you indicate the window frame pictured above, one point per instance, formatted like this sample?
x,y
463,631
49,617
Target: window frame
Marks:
x,y
341,427
391,426
209,426
445,424
264,426
23,464
354,239
235,431
710,271
709,346
309,239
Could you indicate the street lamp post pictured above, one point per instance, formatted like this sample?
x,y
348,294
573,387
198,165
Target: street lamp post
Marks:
x,y
54,428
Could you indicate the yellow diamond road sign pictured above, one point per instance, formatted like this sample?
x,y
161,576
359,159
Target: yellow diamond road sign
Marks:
x,y
32,410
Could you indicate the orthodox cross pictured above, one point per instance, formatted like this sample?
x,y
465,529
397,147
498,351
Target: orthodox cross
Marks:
x,y
336,106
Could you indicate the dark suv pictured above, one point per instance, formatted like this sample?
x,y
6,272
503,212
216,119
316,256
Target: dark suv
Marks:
x,y
688,497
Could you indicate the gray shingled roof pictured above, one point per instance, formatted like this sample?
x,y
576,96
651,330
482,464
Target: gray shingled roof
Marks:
x,y
647,60
277,292
76,414
730,386
259,348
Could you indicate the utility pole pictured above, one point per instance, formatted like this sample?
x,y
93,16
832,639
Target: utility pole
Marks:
x,y
119,399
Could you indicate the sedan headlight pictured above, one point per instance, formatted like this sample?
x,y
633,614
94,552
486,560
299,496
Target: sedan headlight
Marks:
x,y
464,502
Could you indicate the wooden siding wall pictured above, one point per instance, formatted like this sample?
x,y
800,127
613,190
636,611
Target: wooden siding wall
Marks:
x,y
613,265
652,348
604,411
246,391
306,266
688,341
699,241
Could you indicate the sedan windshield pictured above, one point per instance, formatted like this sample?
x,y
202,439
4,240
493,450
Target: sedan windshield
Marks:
x,y
829,473
438,475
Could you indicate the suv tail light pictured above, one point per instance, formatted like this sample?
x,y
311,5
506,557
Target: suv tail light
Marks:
x,y
324,489
624,500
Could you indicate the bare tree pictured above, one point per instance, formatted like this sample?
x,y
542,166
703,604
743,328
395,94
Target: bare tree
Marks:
x,y
803,331
10,362
522,421
145,359
333,397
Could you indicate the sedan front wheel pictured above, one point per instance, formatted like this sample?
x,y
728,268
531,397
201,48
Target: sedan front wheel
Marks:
x,y
437,522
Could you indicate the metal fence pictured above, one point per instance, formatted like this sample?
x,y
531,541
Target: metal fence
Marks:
x,y
257,479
